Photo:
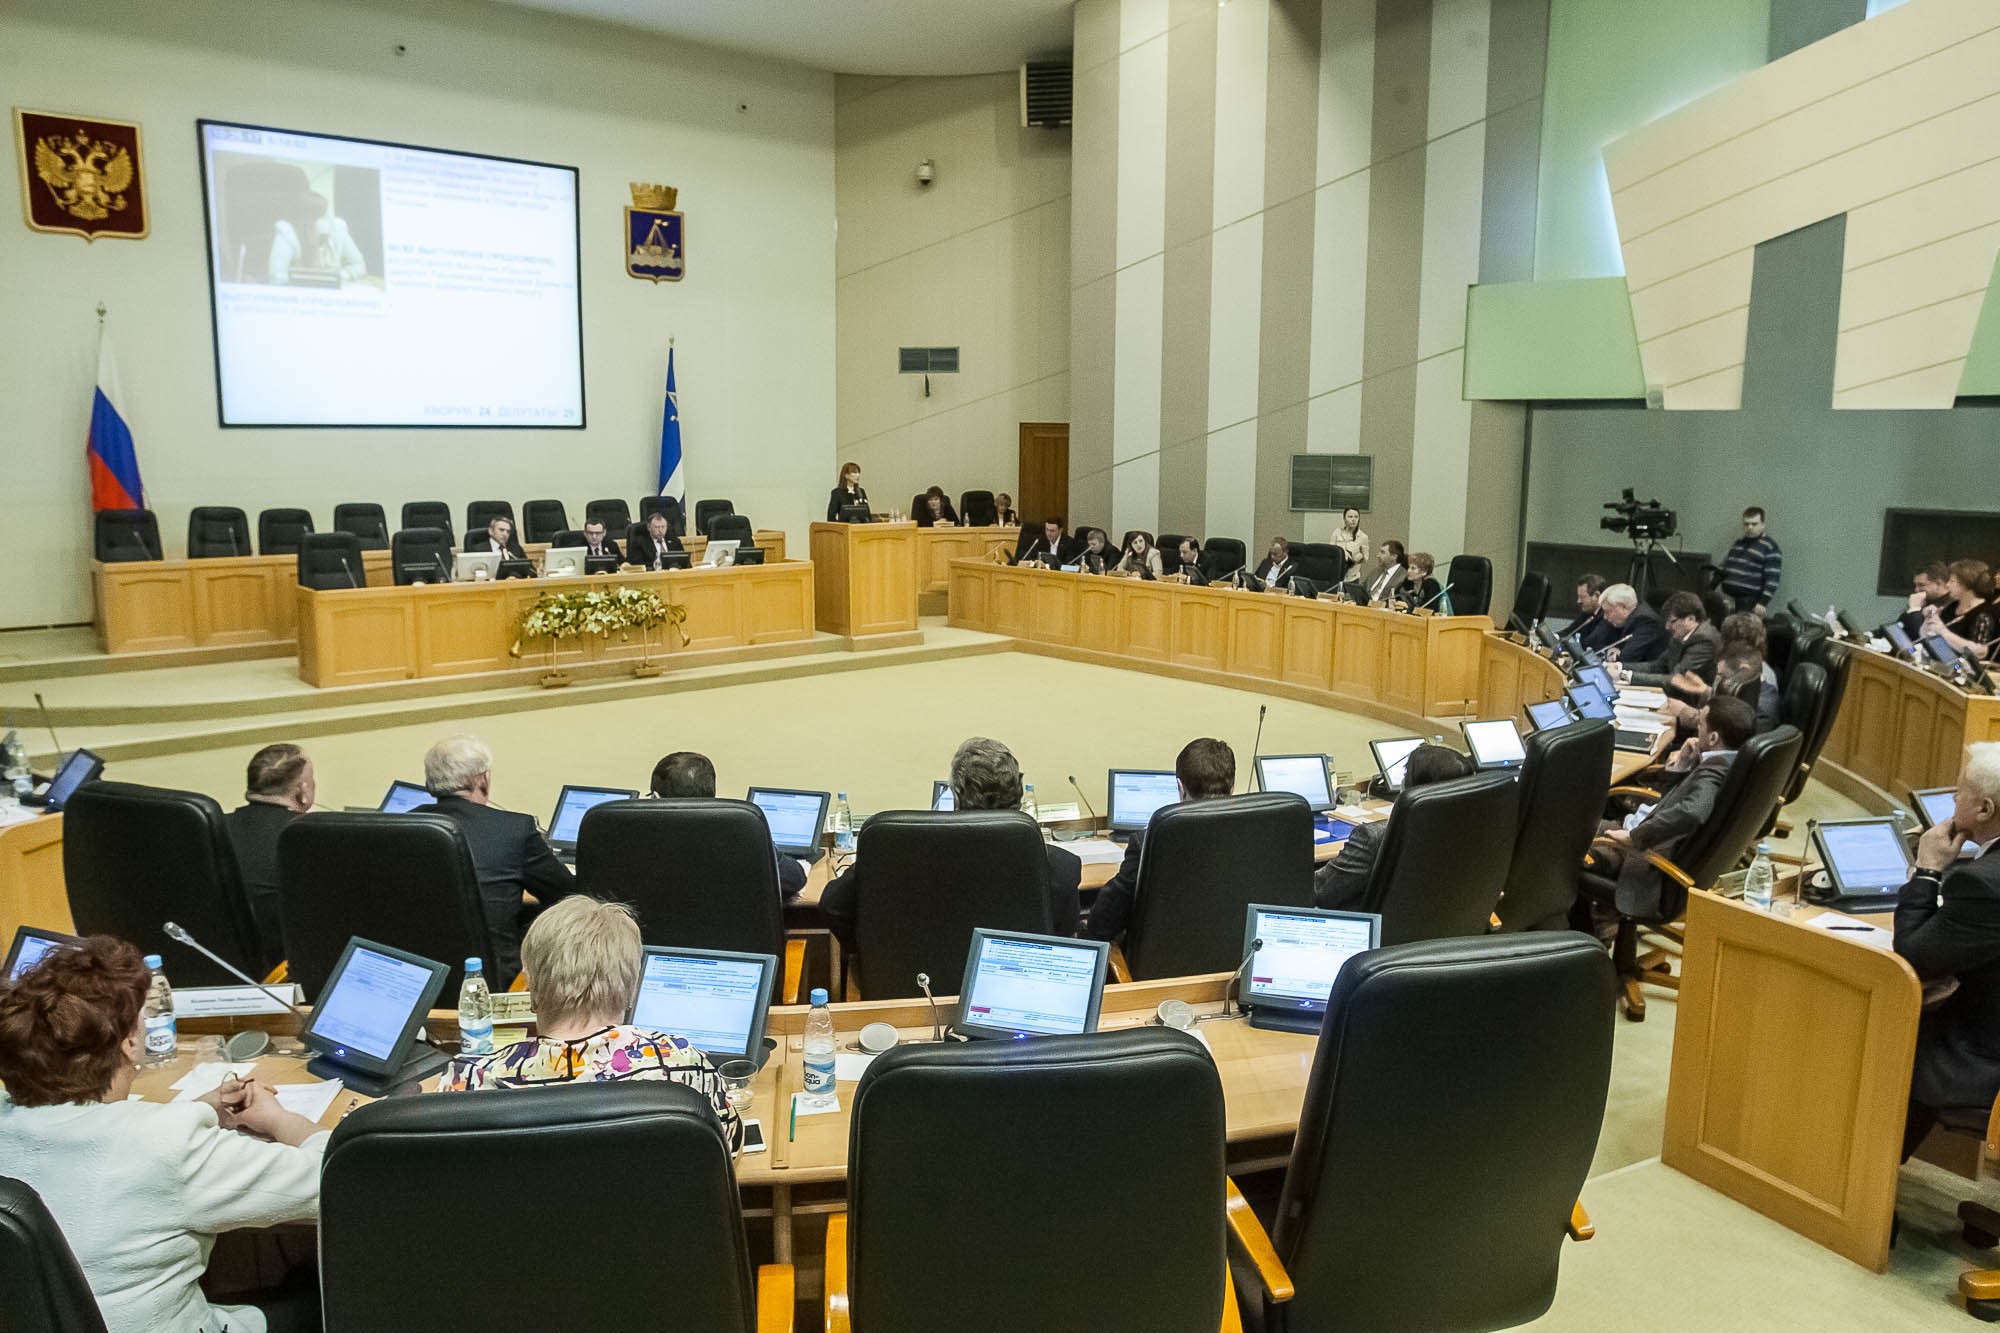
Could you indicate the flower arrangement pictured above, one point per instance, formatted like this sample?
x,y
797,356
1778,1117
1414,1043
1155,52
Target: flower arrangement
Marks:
x,y
573,613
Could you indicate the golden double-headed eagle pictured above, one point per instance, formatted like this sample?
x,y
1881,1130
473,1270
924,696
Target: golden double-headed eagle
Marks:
x,y
88,177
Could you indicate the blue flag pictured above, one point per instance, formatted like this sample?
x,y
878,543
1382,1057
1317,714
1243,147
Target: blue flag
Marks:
x,y
672,480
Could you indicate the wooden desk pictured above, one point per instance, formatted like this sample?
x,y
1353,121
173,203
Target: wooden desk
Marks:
x,y
32,892
1901,728
865,578
356,636
1791,1072
938,547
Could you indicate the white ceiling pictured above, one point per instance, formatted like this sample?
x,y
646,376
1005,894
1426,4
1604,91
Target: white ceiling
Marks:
x,y
851,36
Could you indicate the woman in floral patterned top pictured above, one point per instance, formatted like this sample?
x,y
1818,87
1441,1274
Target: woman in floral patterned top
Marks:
x,y
582,960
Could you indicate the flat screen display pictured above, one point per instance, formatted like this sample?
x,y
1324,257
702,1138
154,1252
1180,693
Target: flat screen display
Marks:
x,y
82,766
1495,744
1591,704
795,817
576,802
1303,951
1302,774
1549,714
942,796
403,797
1135,795
1936,804
1864,855
1392,758
715,1000
31,946
367,1008
1018,984
1598,679
360,283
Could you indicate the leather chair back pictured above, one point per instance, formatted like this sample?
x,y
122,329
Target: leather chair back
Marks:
x,y
1498,1046
1130,533
120,535
481,513
431,514
1564,784
1443,862
927,880
366,521
1470,579
730,527
614,514
1836,659
1170,550
1531,601
920,510
1030,1147
396,1170
704,510
541,520
134,857
1743,809
1780,637
46,1289
571,537
1322,562
700,872
676,515
1030,534
217,530
280,531
1221,557
402,880
420,555
1201,865
331,560
1803,704
976,509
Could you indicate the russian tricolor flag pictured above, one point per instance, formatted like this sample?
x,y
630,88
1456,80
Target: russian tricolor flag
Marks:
x,y
114,465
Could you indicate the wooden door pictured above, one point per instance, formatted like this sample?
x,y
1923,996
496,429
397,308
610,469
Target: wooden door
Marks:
x,y
1044,470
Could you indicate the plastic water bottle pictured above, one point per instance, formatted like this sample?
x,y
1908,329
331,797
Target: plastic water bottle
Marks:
x,y
819,1052
161,1037
1904,825
1028,805
1757,883
475,1011
843,825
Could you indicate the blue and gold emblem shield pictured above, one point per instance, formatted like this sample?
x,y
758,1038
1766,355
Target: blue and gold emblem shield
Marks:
x,y
655,234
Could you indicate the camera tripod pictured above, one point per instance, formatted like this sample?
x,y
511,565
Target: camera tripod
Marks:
x,y
1639,569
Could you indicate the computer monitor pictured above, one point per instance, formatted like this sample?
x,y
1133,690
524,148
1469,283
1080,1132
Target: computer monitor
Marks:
x,y
31,946
749,555
1899,638
1546,635
80,767
1591,703
1550,714
854,513
720,554
1864,857
601,564
1599,679
1295,954
512,568
942,796
403,797
1573,645
1392,759
717,1000
1934,805
796,818
572,803
563,561
676,560
1136,793
365,1026
1308,775
1020,985
468,566
1940,650
1495,743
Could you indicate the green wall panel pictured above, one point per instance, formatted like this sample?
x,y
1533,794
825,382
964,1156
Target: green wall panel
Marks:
x,y
1572,339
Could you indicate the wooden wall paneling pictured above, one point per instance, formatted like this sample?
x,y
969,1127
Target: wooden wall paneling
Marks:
x,y
1876,715
1257,634
466,627
1403,684
32,892
1201,629
144,606
1308,640
971,605
1453,651
777,605
1916,720
1100,615
1013,609
357,638
1052,609
1149,621
714,602
237,600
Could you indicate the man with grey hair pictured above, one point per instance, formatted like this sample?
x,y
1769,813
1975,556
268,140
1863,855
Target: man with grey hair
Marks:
x,y
1948,928
1637,633
984,776
517,869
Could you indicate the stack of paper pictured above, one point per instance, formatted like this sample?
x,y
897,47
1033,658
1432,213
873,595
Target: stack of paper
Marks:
x,y
1095,851
207,1076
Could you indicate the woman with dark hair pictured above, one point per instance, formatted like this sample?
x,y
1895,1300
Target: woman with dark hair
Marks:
x,y
141,1189
846,491
1967,620
936,511
1141,558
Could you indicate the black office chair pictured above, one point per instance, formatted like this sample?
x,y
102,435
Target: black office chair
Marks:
x,y
1442,863
397,1172
705,510
1780,637
976,509
1322,565
421,555
1130,533
403,880
1031,533
480,513
1564,784
615,515
541,520
1221,557
215,531
1500,1047
46,1289
700,873
366,521
920,510
1170,551
569,537
1470,579
1531,602
431,514
121,535
279,531
930,879
731,527
331,560
676,515
1030,1146
134,857
1201,865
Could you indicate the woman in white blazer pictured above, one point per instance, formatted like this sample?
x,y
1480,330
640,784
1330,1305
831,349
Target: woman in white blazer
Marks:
x,y
140,1189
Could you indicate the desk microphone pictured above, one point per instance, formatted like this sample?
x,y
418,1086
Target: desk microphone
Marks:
x,y
1440,594
252,1042
47,722
348,570
1257,744
937,1023
1029,554
443,570
1228,1005
1085,799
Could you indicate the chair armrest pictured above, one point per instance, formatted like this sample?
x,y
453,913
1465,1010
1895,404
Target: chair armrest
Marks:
x,y
835,1278
795,970
1993,1130
1120,970
1643,793
1670,870
777,1300
1580,1225
1249,1236
279,974
520,982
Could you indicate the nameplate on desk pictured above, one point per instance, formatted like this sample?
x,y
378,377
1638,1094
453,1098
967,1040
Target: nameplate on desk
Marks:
x,y
1052,814
223,1001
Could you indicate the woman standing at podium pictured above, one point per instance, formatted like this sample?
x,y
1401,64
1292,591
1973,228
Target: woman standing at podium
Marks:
x,y
846,491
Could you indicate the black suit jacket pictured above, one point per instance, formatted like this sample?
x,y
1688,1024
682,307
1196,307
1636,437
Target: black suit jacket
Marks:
x,y
1951,928
645,553
253,831
840,497
1066,552
1342,883
511,857
1065,872
1642,890
1698,653
1281,575
1111,910
483,541
1645,636
610,548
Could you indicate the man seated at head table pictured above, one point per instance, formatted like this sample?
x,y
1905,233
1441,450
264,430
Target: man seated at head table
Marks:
x,y
277,789
1053,546
984,776
1205,769
1948,930
649,548
1590,626
141,1189
595,542
1693,646
1342,883
582,959
1187,563
1275,570
499,536
509,854
686,773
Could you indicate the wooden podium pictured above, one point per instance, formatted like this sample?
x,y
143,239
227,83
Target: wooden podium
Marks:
x,y
865,578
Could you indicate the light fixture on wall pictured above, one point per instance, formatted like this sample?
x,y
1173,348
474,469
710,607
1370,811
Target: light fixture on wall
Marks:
x,y
926,173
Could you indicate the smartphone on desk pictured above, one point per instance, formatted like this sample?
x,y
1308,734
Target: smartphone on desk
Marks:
x,y
753,1136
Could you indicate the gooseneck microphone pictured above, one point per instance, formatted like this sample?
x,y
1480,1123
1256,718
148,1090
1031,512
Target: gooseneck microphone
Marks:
x,y
1257,744
1236,977
1085,799
443,569
50,724
937,1023
1440,595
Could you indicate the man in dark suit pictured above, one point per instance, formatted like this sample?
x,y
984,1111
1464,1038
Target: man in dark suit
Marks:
x,y
685,773
1590,625
596,543
1693,646
649,547
277,789
1342,883
1275,570
499,536
1188,564
1948,929
509,854
984,776
1054,547
1637,634
1205,769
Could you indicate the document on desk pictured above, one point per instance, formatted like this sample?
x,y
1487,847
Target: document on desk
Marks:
x,y
1647,700
1861,932
1094,851
308,1099
207,1077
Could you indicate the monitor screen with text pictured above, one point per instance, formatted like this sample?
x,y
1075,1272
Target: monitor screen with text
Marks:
x,y
714,1000
795,817
576,802
1301,774
1495,743
1032,984
368,1007
1136,795
1549,714
1864,855
1303,951
360,283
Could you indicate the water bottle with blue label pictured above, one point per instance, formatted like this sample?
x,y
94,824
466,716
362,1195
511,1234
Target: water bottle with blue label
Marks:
x,y
819,1052
162,1039
475,1011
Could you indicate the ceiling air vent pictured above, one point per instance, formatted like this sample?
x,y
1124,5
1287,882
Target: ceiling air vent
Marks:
x,y
1045,95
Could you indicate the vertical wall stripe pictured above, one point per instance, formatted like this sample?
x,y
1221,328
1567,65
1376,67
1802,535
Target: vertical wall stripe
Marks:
x,y
1242,39
1340,229
1142,204
1183,476
1346,88
1094,150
